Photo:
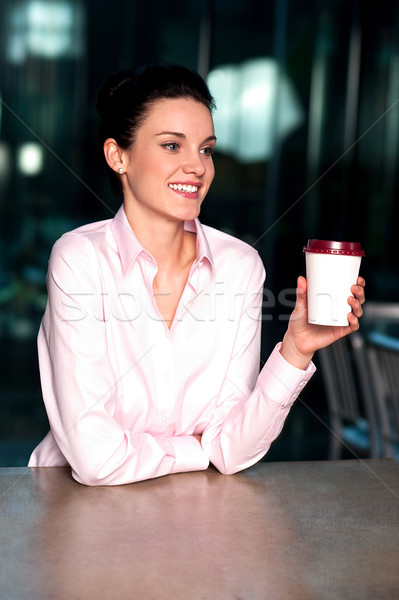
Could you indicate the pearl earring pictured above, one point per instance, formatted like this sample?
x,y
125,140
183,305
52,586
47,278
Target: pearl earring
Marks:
x,y
121,171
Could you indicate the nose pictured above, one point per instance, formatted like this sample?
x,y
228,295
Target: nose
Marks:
x,y
194,164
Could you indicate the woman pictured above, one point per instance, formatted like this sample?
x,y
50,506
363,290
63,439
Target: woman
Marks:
x,y
149,347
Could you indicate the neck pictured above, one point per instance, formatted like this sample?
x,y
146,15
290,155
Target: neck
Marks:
x,y
165,239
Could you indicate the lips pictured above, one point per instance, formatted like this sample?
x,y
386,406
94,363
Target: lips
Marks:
x,y
189,189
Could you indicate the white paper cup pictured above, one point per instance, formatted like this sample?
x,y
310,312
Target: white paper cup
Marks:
x,y
331,269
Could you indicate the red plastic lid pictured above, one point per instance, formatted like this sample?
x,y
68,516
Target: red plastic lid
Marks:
x,y
330,247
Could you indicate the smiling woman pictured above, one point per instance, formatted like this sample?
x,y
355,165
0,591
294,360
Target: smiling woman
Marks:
x,y
175,385
162,167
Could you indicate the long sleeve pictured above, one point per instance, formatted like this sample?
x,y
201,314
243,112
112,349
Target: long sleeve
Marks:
x,y
124,393
79,383
251,409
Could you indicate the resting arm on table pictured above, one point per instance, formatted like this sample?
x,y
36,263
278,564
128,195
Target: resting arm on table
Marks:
x,y
79,385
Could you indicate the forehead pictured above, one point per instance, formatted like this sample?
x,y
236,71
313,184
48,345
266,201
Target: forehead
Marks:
x,y
178,114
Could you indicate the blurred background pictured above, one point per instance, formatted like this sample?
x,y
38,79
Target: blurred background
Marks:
x,y
307,119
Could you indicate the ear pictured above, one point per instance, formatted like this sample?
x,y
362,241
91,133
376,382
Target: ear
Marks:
x,y
115,157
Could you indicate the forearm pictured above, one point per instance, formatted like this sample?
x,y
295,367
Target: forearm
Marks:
x,y
139,457
239,438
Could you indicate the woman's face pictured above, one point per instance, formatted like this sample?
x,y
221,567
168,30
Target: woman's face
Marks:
x,y
169,169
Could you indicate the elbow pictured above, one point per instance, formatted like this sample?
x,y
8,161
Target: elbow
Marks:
x,y
93,475
226,467
93,468
88,477
228,470
229,466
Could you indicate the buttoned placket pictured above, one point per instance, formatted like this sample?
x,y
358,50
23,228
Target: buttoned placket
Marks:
x,y
166,394
167,382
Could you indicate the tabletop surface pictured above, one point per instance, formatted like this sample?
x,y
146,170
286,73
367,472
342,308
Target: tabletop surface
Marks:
x,y
310,530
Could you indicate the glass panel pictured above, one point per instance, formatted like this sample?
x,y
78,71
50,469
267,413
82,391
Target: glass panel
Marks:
x,y
307,120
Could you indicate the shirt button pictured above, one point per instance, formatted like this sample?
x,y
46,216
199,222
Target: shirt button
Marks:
x,y
301,385
295,396
164,418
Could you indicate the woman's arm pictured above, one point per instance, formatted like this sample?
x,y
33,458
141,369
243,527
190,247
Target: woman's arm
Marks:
x,y
249,417
80,384
252,407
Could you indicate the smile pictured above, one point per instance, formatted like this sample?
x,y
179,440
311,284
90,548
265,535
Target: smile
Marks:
x,y
181,187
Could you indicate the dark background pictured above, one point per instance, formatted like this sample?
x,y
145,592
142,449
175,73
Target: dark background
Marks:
x,y
334,176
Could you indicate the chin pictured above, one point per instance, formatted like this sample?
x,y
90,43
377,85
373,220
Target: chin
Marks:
x,y
189,214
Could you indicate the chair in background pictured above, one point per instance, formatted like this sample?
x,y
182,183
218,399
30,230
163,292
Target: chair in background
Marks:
x,y
350,398
383,356
383,312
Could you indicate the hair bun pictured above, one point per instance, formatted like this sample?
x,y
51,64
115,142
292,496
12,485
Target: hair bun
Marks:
x,y
111,87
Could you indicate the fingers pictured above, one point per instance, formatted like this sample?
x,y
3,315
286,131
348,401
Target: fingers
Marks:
x,y
358,290
301,298
356,302
361,281
301,286
356,306
353,321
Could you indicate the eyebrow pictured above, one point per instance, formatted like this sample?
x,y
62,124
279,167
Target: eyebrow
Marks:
x,y
211,138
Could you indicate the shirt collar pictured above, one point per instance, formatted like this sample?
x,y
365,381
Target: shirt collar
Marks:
x,y
203,248
129,247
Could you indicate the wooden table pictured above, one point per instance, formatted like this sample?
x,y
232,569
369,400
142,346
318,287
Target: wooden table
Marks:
x,y
310,530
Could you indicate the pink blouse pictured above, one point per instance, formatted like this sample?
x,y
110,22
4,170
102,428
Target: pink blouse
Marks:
x,y
124,394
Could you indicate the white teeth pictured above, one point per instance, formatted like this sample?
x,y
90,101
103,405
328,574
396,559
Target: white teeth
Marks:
x,y
181,187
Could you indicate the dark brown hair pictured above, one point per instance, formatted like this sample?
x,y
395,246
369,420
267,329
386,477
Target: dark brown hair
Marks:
x,y
126,97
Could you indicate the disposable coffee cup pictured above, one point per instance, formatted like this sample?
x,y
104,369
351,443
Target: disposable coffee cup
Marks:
x,y
331,269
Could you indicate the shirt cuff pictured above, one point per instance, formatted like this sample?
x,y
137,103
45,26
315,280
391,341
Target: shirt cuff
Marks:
x,y
188,453
282,382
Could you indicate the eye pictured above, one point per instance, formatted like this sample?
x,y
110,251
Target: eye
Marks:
x,y
171,146
208,151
